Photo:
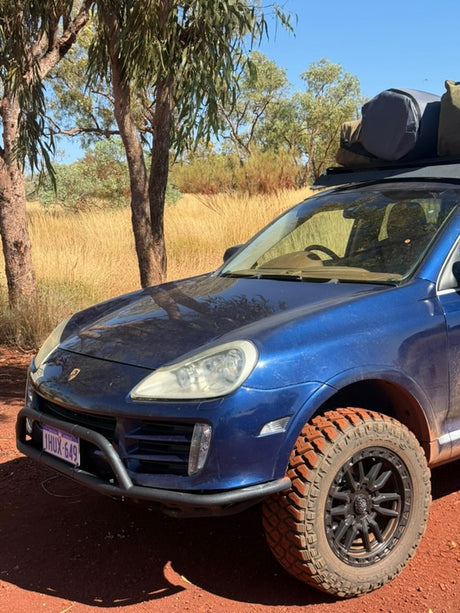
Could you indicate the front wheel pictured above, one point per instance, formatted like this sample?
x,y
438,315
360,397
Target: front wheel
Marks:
x,y
358,504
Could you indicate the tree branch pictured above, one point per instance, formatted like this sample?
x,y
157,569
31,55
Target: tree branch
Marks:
x,y
257,116
103,95
52,31
234,135
78,130
60,47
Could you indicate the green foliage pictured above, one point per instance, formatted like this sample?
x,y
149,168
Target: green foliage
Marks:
x,y
20,29
196,47
80,111
28,32
200,46
280,129
99,180
275,140
305,126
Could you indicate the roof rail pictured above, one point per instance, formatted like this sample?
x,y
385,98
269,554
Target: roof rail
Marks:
x,y
433,168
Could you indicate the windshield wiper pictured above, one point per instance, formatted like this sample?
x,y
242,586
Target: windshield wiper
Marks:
x,y
286,276
310,276
390,282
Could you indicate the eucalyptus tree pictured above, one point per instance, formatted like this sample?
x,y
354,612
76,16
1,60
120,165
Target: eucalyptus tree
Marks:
x,y
171,65
261,88
34,36
332,96
280,128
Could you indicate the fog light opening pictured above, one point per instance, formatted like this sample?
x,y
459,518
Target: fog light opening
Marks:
x,y
29,395
273,427
29,426
201,439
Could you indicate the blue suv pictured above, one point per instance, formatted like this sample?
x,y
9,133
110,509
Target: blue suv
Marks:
x,y
317,371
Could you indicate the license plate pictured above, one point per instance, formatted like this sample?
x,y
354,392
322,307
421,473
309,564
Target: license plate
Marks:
x,y
61,444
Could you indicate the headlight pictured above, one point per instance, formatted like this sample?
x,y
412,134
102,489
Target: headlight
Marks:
x,y
210,374
51,343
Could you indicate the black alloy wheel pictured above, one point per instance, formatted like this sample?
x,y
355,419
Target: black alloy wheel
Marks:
x,y
367,506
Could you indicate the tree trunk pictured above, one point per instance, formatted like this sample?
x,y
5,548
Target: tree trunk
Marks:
x,y
159,170
147,195
147,257
13,218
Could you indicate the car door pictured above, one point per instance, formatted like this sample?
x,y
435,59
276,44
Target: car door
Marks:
x,y
449,298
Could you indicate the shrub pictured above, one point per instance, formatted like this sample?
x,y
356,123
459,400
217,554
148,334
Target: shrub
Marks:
x,y
100,180
264,172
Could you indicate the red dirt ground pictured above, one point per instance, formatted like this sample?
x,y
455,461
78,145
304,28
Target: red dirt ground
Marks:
x,y
64,549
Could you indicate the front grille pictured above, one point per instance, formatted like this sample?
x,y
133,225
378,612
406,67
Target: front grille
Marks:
x,y
146,447
103,424
156,447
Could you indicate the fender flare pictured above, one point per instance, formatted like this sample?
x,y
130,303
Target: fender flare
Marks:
x,y
343,379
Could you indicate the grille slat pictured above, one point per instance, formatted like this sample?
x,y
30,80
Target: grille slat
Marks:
x,y
158,439
159,447
103,424
158,458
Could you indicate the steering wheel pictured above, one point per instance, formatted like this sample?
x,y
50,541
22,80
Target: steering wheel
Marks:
x,y
325,250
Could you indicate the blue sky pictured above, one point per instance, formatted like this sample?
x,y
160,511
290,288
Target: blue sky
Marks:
x,y
411,44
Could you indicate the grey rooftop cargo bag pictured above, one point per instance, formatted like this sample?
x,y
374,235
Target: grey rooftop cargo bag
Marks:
x,y
401,123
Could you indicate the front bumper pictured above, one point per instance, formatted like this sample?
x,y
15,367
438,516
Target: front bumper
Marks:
x,y
174,502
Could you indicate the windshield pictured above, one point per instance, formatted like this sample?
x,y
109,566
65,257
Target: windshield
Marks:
x,y
375,234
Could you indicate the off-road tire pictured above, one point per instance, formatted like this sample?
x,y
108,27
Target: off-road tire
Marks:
x,y
358,504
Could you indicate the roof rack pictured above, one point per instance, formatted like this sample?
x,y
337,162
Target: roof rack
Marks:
x,y
433,168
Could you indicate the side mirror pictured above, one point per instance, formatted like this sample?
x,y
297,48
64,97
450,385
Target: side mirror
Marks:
x,y
456,271
232,250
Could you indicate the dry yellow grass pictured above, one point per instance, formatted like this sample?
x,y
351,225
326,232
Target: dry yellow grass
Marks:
x,y
95,250
87,257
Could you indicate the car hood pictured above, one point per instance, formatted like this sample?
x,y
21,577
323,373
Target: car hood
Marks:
x,y
159,325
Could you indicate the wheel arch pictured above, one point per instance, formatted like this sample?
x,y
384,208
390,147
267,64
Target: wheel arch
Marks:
x,y
385,394
389,398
